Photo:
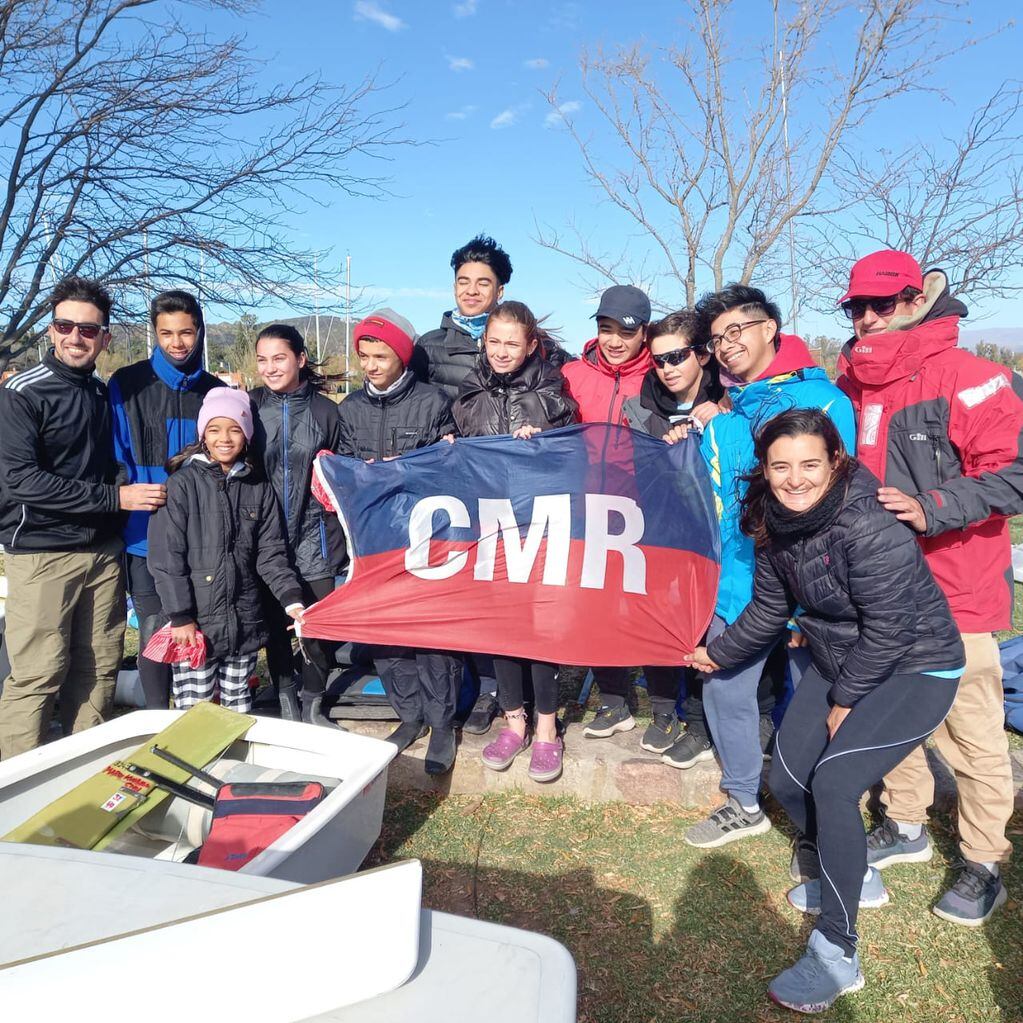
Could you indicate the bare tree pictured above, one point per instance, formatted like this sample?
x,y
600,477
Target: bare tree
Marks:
x,y
138,150
706,154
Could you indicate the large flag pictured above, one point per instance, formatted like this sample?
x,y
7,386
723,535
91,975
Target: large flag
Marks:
x,y
590,545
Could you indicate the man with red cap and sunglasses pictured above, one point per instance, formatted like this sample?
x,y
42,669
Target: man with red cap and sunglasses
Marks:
x,y
942,430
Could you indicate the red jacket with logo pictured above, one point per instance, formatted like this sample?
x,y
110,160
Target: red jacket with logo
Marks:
x,y
599,389
945,427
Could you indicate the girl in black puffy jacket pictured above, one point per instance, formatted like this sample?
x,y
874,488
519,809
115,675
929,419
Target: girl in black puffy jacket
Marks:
x,y
514,390
294,422
219,534
887,658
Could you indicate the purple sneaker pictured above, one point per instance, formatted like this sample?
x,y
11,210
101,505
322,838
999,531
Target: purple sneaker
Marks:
x,y
499,754
545,760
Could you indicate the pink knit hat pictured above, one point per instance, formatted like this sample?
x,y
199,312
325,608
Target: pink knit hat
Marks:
x,y
226,403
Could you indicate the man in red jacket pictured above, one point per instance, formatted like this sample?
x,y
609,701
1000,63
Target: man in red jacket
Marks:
x,y
942,429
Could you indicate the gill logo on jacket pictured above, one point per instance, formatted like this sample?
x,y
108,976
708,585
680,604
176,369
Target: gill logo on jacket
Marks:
x,y
592,544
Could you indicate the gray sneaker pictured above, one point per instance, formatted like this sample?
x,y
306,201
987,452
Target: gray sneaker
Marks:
x,y
886,845
608,721
822,975
806,897
976,894
690,750
726,824
806,864
661,734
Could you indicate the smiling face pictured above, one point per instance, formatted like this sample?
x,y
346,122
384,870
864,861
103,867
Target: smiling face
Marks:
x,y
798,471
683,379
507,346
749,355
619,344
72,349
477,289
380,366
870,321
224,441
278,366
176,335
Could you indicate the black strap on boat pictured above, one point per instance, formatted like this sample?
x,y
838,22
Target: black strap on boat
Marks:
x,y
173,758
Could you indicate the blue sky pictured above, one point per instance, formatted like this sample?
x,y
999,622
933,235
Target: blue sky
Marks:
x,y
471,74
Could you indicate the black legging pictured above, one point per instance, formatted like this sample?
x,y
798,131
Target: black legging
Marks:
x,y
820,783
280,656
512,674
662,686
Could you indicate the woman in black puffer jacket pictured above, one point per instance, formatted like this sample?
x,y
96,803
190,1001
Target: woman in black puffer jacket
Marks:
x,y
887,658
514,390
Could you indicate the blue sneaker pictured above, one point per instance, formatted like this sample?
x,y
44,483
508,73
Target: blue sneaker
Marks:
x,y
976,894
887,845
822,975
807,897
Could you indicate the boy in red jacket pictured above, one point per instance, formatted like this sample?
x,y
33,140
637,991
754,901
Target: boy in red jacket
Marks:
x,y
942,428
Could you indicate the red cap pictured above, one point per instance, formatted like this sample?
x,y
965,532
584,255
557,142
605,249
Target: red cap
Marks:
x,y
883,273
386,325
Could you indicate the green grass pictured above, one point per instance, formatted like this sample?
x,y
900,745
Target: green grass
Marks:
x,y
663,932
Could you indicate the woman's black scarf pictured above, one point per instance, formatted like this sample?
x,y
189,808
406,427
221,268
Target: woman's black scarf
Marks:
x,y
783,524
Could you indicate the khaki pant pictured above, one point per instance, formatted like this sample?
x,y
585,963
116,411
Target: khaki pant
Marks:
x,y
64,635
973,742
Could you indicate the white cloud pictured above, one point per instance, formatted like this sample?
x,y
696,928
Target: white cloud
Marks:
x,y
461,114
368,10
505,119
459,63
466,9
536,64
556,118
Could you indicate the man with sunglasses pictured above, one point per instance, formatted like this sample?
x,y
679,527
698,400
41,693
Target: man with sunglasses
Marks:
x,y
766,373
59,499
942,430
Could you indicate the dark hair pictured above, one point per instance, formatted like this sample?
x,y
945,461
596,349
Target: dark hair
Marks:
x,y
749,301
908,293
175,302
81,289
519,312
199,448
684,322
294,340
483,249
794,423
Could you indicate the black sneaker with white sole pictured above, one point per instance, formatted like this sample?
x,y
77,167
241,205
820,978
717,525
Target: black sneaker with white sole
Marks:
x,y
608,721
662,733
689,751
887,845
976,894
727,823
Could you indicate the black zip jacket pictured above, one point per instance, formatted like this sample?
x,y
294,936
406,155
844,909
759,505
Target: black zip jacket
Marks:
x,y
415,415
493,403
871,606
290,430
216,536
653,408
446,356
58,477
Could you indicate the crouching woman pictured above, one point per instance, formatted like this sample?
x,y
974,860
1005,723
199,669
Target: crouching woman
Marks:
x,y
886,664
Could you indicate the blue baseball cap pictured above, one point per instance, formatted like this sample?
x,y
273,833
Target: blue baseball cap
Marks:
x,y
626,304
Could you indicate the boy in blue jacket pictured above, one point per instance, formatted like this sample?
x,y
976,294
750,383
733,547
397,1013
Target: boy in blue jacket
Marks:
x,y
766,372
155,405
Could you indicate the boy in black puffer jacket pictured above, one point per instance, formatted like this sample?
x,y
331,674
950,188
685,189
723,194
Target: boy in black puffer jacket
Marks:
x,y
393,414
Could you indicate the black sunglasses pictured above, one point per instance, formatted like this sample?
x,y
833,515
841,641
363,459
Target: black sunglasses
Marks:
x,y
856,307
89,331
677,356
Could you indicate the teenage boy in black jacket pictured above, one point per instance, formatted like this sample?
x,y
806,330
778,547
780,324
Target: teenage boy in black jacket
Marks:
x,y
393,414
59,498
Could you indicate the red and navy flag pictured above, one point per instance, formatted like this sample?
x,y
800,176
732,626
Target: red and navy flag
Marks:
x,y
593,544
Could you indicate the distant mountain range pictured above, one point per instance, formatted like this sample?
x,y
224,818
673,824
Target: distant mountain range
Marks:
x,y
1004,337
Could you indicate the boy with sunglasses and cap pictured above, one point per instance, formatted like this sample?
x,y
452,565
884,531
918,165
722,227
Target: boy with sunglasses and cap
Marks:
x,y
942,430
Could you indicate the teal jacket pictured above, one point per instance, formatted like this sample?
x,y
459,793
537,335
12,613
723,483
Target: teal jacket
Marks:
x,y
791,381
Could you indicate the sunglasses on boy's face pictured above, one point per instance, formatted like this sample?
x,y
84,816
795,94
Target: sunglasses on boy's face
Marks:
x,y
677,356
855,308
89,331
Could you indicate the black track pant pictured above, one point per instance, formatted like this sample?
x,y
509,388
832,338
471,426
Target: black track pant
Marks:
x,y
155,676
820,783
662,686
421,685
280,655
513,678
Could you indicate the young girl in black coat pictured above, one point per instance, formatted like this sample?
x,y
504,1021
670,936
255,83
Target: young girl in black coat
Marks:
x,y
218,534
514,390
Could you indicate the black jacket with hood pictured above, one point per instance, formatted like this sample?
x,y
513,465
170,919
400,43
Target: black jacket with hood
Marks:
x,y
446,356
494,403
289,431
210,544
655,408
870,606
